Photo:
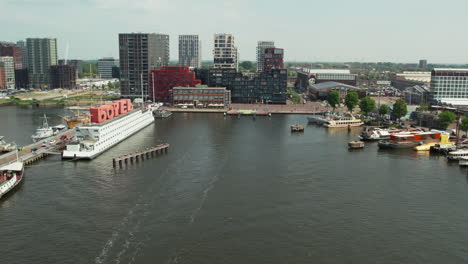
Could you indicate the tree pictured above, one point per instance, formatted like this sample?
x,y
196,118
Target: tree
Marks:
x,y
464,124
351,100
367,105
446,118
383,110
333,99
247,65
399,109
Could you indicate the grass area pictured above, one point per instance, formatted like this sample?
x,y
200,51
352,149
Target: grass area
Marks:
x,y
295,97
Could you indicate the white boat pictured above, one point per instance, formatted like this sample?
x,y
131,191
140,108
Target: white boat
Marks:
x,y
94,138
11,175
344,121
43,132
457,154
4,146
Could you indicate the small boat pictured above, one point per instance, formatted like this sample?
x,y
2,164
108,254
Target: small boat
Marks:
x,y
297,128
356,144
163,114
10,176
377,133
43,132
463,162
5,147
457,154
409,140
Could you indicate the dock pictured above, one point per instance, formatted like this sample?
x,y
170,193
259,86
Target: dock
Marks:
x,y
28,156
139,155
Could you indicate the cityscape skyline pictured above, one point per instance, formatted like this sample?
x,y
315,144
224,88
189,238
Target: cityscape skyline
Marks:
x,y
336,32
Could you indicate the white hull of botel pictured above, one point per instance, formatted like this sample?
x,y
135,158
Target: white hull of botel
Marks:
x,y
94,139
10,176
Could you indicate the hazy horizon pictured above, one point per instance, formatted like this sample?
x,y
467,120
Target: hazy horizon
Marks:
x,y
309,31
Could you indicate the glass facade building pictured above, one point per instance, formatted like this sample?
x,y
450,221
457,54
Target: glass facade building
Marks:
x,y
449,86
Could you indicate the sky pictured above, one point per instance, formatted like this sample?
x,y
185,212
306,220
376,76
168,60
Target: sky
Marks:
x,y
309,30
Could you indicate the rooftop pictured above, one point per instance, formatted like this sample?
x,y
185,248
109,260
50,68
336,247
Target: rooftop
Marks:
x,y
328,85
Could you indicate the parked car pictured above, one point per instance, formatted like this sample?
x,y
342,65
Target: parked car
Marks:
x,y
63,137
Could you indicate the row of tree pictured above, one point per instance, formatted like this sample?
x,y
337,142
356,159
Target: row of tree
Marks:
x,y
367,104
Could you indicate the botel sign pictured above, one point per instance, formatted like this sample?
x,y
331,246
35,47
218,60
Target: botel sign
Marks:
x,y
110,110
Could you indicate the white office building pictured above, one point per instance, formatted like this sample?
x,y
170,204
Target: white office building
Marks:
x,y
450,86
105,66
225,52
190,51
261,46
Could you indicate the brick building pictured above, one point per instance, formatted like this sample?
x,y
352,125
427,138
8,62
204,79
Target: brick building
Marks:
x,y
12,51
273,59
63,76
163,80
2,76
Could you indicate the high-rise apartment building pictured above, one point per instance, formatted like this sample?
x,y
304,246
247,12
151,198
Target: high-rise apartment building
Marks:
x,y
2,76
105,67
78,64
11,50
273,59
225,52
140,53
190,51
261,46
9,69
24,52
42,53
450,86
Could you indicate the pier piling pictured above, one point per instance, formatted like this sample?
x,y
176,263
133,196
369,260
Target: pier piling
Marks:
x,y
140,155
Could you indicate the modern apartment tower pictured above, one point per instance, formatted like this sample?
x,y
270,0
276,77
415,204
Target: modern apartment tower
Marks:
x,y
225,52
273,59
42,53
190,51
450,86
261,46
422,64
24,52
105,67
140,53
9,71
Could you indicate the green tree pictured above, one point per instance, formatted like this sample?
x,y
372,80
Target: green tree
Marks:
x,y
464,124
399,109
333,99
367,105
247,65
295,97
446,118
351,100
383,110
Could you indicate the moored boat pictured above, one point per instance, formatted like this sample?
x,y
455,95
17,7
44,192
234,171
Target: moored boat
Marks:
x,y
43,132
110,124
356,144
4,146
444,140
343,122
10,176
297,128
409,140
457,154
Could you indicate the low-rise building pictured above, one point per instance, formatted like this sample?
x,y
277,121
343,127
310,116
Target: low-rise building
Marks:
x,y
163,80
321,90
201,96
410,79
417,95
105,67
307,77
450,86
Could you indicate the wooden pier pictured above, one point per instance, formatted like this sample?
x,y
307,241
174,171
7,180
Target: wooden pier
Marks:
x,y
139,155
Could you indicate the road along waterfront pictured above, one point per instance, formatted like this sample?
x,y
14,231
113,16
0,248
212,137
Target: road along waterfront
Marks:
x,y
236,190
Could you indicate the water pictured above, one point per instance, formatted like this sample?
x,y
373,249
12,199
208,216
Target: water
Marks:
x,y
235,191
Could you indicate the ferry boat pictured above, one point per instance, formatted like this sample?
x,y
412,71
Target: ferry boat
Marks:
x,y
43,132
110,124
410,139
344,121
457,154
10,176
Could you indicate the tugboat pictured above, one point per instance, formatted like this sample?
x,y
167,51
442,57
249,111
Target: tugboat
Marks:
x,y
11,175
43,132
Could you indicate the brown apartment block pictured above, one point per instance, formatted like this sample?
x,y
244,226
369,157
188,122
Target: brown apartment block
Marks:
x,y
2,77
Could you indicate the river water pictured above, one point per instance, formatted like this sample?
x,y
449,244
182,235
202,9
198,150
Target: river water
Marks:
x,y
234,190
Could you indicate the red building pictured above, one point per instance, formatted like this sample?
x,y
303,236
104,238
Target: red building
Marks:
x,y
273,59
163,80
12,51
2,77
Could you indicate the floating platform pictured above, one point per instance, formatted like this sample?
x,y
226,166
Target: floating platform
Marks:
x,y
297,128
139,155
249,112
